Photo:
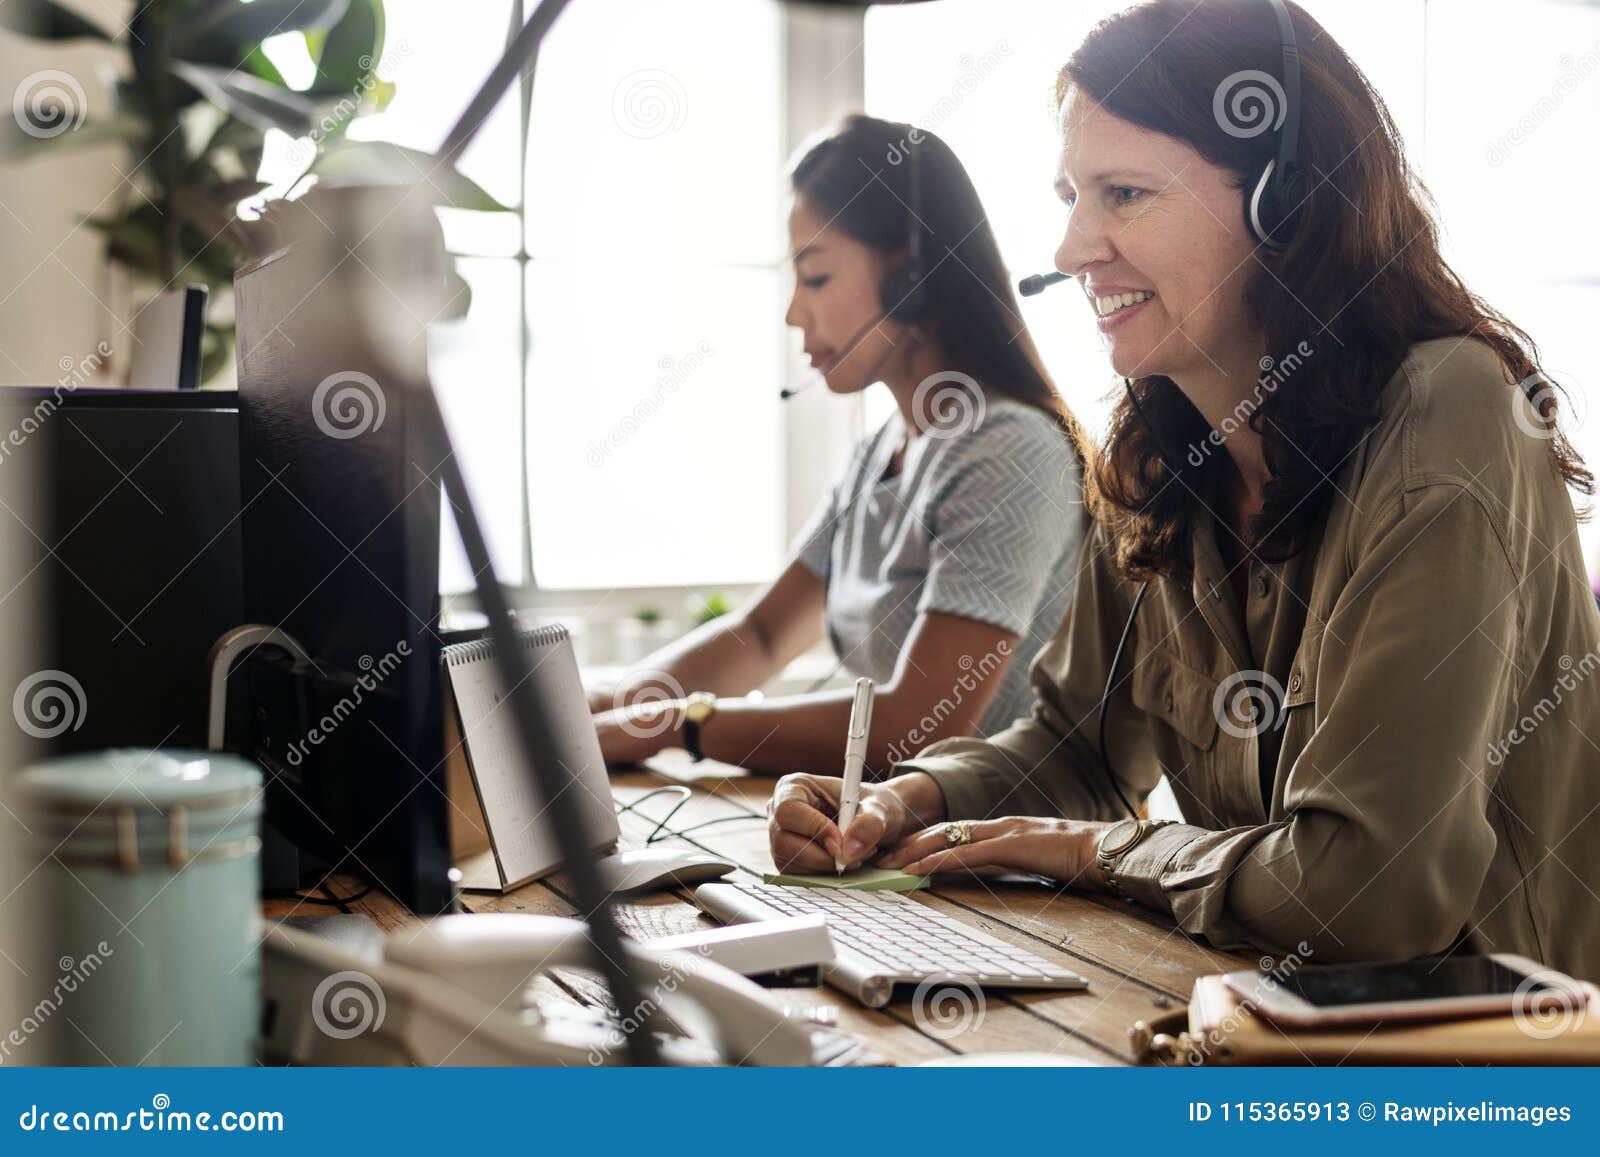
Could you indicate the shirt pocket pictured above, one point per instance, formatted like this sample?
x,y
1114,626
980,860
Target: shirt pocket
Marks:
x,y
1300,691
1175,693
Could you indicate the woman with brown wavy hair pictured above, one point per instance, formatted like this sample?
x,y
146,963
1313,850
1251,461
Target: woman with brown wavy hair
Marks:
x,y
1334,592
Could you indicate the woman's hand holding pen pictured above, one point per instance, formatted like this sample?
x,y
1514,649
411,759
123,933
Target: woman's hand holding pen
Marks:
x,y
802,813
895,827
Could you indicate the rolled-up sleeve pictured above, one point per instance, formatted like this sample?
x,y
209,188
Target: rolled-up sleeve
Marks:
x,y
1382,842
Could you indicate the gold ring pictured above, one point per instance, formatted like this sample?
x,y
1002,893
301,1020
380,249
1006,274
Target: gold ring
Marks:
x,y
958,833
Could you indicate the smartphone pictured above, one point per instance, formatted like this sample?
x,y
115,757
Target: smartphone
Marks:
x,y
1430,988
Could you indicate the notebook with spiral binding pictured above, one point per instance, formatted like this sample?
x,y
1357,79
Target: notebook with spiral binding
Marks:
x,y
499,836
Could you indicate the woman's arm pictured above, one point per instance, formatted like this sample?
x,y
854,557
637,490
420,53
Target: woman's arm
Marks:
x,y
949,671
734,652
1384,840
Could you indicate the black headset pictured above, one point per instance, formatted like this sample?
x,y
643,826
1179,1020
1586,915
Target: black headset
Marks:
x,y
903,292
1271,208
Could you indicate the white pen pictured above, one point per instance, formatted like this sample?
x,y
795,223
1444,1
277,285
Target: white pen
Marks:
x,y
855,754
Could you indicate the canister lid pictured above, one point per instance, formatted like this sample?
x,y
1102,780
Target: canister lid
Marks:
x,y
141,779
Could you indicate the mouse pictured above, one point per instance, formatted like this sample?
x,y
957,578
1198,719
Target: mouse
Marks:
x,y
657,869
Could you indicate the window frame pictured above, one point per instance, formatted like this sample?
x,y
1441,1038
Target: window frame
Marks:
x,y
823,77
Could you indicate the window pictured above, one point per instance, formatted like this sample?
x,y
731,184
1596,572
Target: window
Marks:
x,y
655,294
613,388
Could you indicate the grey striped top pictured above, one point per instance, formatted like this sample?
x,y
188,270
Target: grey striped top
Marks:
x,y
985,523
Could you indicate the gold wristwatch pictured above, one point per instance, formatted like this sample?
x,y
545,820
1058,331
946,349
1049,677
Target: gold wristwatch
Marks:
x,y
1119,839
697,708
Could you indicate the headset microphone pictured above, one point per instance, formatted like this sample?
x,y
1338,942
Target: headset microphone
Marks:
x,y
1039,282
850,347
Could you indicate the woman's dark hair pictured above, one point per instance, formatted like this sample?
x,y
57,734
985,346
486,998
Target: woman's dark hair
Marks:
x,y
858,177
1361,281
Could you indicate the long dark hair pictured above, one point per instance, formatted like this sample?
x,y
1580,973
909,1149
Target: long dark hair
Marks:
x,y
1361,282
857,176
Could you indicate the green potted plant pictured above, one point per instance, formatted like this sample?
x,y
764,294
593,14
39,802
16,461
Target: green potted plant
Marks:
x,y
194,104
708,607
643,632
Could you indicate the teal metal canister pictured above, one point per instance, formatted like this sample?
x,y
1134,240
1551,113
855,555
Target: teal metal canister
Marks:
x,y
150,870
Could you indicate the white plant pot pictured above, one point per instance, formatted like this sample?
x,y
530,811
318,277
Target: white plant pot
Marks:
x,y
636,639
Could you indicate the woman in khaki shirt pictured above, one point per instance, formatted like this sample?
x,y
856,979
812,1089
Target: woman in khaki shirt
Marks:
x,y
1334,543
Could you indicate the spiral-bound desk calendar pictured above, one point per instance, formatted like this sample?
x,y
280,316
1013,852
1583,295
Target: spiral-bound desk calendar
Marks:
x,y
499,837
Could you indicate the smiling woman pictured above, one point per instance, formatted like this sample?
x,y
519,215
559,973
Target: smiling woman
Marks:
x,y
1367,282
1334,537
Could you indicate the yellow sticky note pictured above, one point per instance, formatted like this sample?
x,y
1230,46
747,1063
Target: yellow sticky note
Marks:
x,y
859,880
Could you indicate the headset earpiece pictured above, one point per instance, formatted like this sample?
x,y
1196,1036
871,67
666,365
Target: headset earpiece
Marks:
x,y
904,289
904,297
1271,207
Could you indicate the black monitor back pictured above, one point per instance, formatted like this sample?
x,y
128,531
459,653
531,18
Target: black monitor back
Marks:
x,y
341,550
137,568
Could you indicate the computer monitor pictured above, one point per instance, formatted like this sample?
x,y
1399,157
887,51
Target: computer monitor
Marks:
x,y
340,517
133,559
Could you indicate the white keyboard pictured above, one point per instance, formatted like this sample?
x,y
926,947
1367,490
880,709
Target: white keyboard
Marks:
x,y
885,938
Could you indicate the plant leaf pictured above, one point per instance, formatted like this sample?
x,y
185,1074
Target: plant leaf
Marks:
x,y
134,240
216,348
115,127
386,163
347,56
44,20
226,33
256,63
249,98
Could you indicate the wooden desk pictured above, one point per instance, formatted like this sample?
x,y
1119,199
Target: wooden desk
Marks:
x,y
1137,964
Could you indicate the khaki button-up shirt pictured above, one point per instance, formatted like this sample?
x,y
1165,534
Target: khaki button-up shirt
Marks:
x,y
1392,748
